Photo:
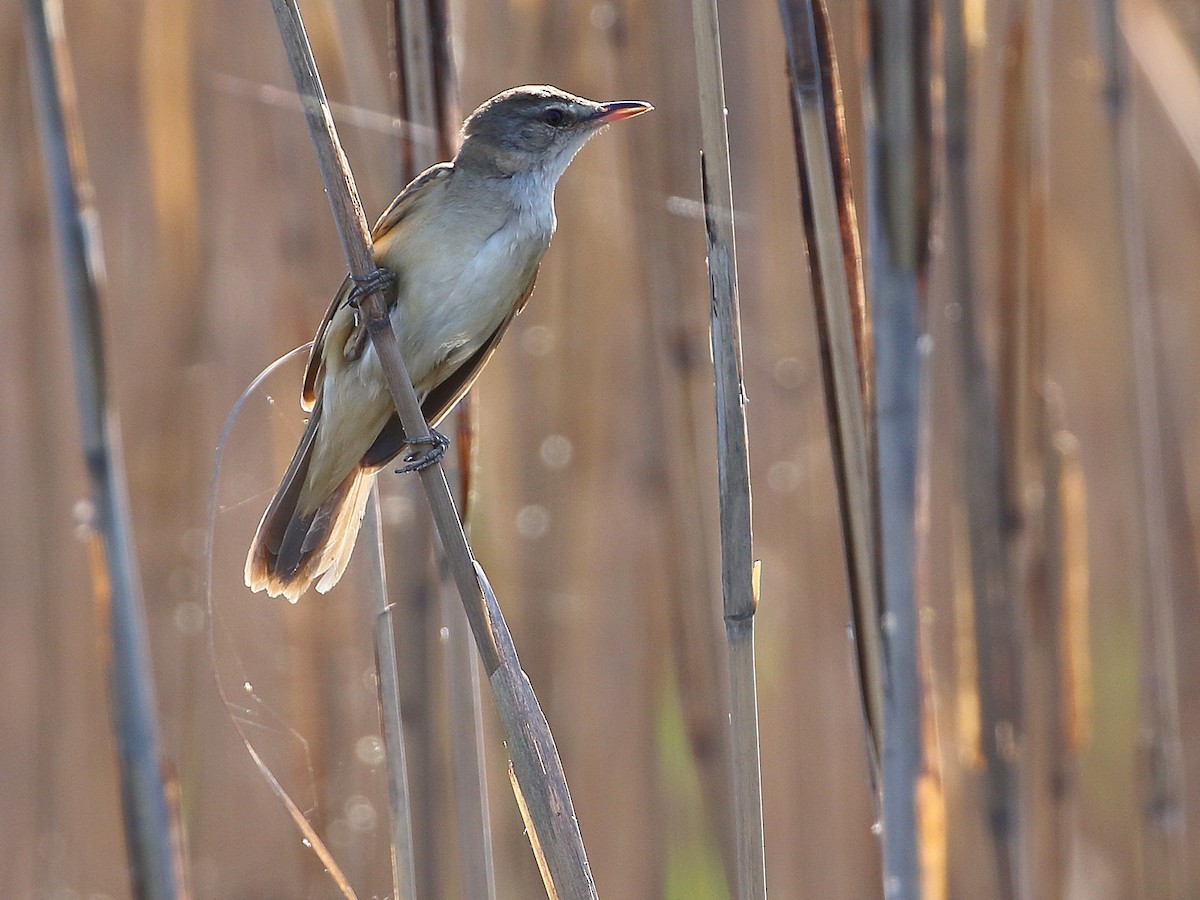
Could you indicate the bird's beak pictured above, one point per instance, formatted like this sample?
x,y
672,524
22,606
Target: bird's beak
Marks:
x,y
620,109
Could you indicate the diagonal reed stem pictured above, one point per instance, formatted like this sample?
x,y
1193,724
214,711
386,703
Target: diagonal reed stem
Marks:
x,y
152,835
539,776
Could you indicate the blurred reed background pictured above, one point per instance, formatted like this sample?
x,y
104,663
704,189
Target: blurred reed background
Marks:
x,y
596,507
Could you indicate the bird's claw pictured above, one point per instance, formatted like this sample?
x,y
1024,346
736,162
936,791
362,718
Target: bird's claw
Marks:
x,y
435,449
382,280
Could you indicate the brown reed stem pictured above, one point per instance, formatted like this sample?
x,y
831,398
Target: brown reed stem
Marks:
x,y
843,329
153,841
984,448
404,868
1163,858
739,570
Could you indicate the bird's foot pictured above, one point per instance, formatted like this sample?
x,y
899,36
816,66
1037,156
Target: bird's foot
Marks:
x,y
382,280
434,449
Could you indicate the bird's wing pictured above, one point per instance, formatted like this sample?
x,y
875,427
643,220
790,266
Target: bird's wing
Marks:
x,y
439,401
316,353
409,199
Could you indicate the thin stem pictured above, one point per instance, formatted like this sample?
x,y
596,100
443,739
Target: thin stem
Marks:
x,y
466,746
739,571
986,478
835,271
1161,780
152,835
897,198
404,869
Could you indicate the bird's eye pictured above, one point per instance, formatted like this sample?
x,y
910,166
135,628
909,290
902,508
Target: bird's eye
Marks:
x,y
555,117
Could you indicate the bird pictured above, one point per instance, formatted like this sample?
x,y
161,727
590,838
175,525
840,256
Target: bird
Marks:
x,y
460,248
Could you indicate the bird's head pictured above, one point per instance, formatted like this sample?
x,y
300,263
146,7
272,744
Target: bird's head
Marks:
x,y
536,128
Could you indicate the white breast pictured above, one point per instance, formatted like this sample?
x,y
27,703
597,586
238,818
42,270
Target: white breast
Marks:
x,y
460,280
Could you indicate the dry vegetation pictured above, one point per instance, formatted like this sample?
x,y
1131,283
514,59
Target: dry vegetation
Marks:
x,y
1054,557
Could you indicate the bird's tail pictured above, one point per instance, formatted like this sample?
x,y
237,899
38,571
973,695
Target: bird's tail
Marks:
x,y
293,548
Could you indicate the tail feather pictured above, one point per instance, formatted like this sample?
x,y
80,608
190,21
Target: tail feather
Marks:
x,y
344,533
292,549
308,533
273,527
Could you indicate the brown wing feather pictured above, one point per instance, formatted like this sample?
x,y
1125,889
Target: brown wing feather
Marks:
x,y
316,353
439,401
405,203
408,198
273,527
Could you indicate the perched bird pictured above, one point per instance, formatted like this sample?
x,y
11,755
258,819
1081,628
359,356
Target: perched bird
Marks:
x,y
463,240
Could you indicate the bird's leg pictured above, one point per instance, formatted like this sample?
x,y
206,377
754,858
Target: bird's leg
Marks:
x,y
382,280
435,449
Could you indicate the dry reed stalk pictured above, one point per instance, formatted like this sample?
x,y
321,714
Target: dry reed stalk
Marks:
x,y
1163,857
404,869
1036,559
416,625
427,95
1070,505
739,570
994,641
894,86
930,802
416,585
476,865
465,711
1059,647
539,778
831,229
843,326
153,839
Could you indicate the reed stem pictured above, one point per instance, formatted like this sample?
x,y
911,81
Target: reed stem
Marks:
x,y
739,571
153,841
